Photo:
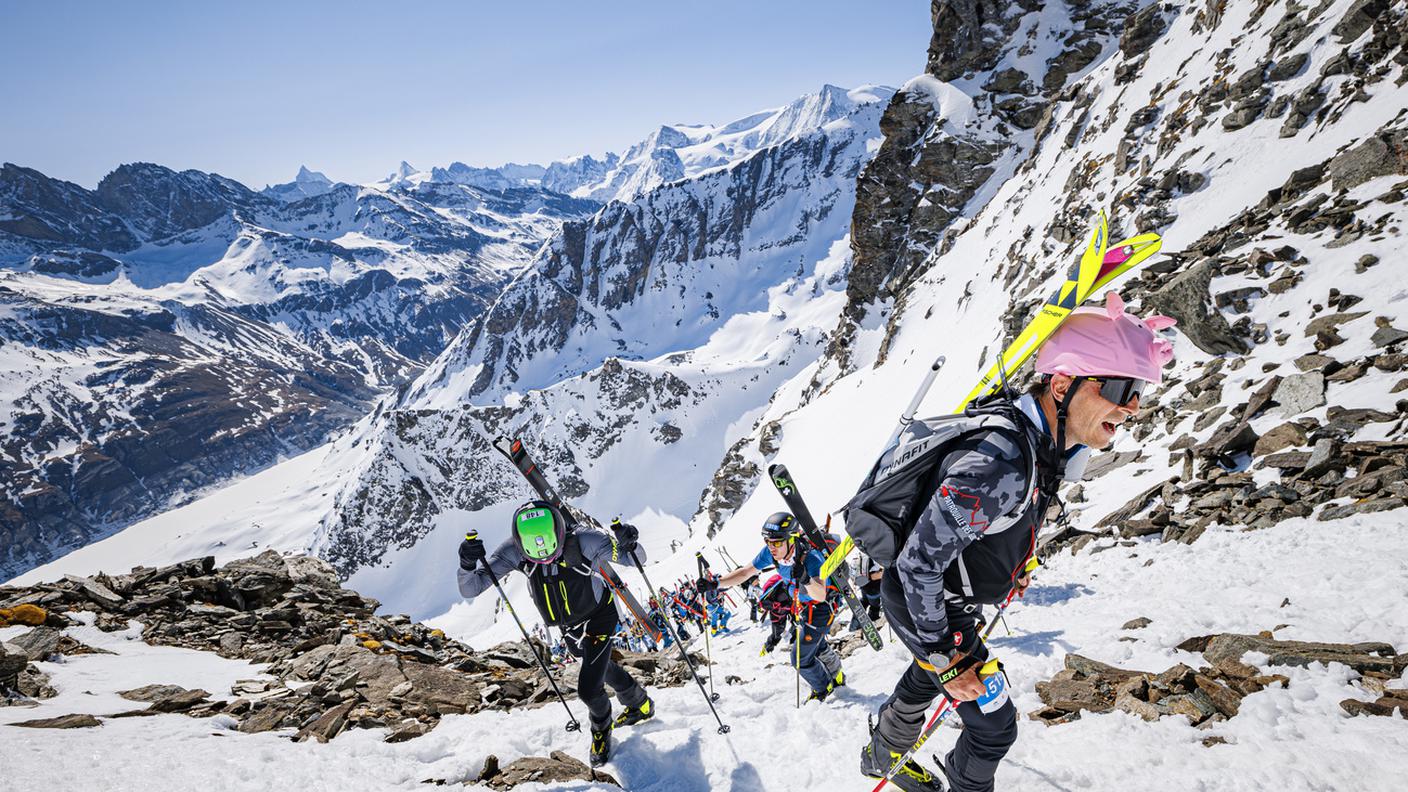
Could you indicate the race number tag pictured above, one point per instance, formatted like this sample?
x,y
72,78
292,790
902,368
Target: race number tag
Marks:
x,y
996,695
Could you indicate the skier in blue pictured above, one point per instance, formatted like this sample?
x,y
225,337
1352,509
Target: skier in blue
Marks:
x,y
800,567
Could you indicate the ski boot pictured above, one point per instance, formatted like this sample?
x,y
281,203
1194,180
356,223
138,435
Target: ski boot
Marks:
x,y
840,680
876,760
820,695
601,745
630,716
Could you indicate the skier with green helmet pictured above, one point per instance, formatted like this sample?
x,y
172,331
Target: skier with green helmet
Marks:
x,y
559,556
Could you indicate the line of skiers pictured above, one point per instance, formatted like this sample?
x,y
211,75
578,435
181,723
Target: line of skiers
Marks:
x,y
976,500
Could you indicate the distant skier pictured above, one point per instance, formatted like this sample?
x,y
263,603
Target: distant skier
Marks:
x,y
800,568
752,592
970,544
558,557
870,572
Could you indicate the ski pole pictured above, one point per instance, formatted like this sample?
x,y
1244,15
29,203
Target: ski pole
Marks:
x,y
723,728
907,417
797,645
572,724
948,705
709,656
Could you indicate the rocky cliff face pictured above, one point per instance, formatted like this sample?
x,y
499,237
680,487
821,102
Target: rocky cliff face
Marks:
x,y
662,272
994,69
634,342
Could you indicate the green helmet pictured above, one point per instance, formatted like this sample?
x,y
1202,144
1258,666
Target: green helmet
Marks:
x,y
541,531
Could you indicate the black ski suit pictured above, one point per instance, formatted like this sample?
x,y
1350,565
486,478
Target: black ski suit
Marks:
x,y
951,565
570,595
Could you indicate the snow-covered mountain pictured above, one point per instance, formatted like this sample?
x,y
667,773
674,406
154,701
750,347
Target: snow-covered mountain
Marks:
x,y
167,330
305,185
679,151
1260,488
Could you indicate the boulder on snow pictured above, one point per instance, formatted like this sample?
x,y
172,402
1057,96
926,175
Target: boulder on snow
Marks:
x,y
38,643
1299,393
1362,657
79,721
556,768
1186,298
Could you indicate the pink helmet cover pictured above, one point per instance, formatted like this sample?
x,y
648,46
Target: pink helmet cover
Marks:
x,y
1107,341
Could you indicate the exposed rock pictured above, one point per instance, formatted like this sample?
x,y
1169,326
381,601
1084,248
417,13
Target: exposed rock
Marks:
x,y
1380,155
1142,30
151,693
1392,702
1287,435
1299,393
1137,624
557,768
1361,657
1185,297
328,725
334,664
1384,336
13,660
1359,18
38,643
80,721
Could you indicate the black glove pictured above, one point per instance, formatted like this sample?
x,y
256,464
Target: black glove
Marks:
x,y
627,537
471,551
706,584
800,573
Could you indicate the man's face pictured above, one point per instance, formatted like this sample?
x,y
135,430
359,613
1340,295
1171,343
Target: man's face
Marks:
x,y
781,550
1092,420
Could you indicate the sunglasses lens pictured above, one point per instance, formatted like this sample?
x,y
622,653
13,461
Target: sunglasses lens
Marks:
x,y
1120,390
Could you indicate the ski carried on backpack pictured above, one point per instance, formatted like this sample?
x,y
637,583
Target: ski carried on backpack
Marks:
x,y
518,455
787,488
1098,266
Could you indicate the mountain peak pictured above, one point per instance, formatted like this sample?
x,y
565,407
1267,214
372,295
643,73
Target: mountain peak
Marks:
x,y
306,176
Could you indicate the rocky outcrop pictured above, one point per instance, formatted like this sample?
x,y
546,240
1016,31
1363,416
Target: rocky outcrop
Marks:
x,y
1212,693
333,663
556,768
942,143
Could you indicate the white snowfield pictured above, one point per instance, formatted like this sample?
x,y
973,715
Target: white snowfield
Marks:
x,y
1287,740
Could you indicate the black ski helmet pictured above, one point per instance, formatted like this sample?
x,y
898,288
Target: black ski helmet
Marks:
x,y
779,526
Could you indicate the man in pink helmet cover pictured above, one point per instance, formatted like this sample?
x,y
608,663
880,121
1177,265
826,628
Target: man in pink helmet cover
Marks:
x,y
971,541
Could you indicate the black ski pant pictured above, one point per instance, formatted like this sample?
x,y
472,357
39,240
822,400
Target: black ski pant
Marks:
x,y
986,737
591,641
973,762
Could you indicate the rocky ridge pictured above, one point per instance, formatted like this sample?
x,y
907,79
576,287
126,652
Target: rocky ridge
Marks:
x,y
332,663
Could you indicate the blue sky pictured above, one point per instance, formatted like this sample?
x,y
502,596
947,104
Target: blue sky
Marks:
x,y
252,90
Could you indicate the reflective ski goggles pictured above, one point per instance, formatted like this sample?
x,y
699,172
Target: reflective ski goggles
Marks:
x,y
1119,390
777,542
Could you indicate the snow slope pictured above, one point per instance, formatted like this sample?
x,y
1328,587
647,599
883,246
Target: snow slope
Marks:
x,y
1291,739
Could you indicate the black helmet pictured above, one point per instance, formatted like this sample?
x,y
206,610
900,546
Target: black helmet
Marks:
x,y
780,525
